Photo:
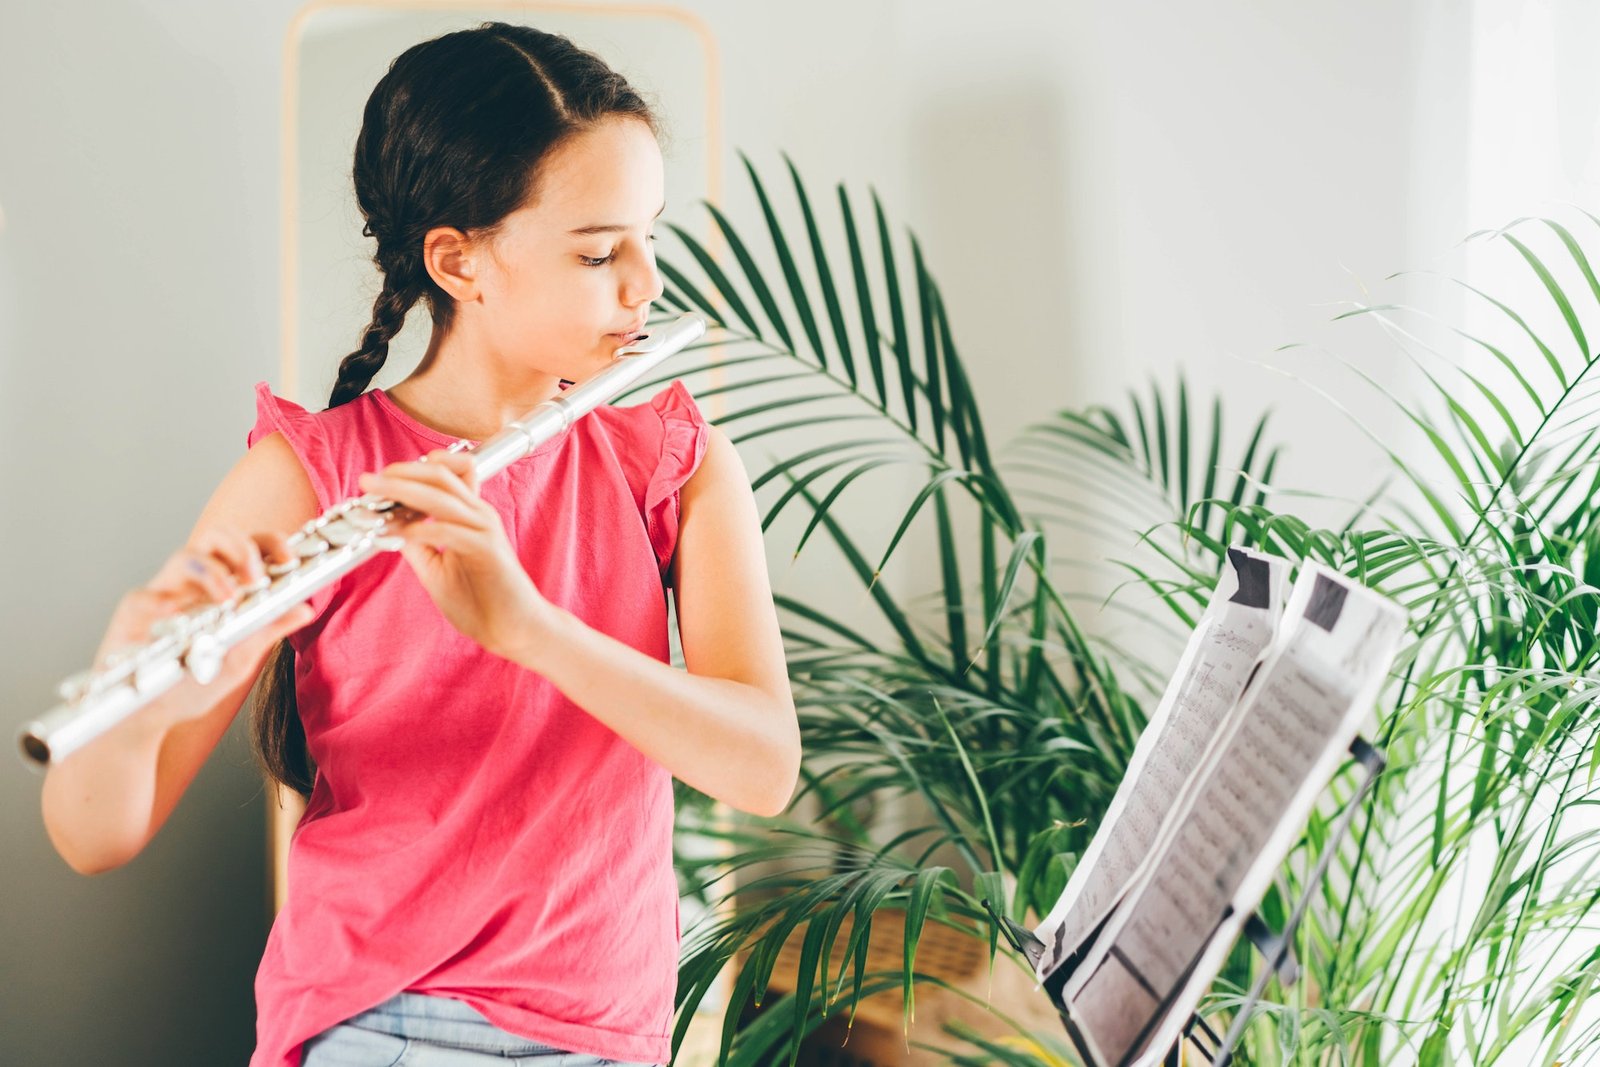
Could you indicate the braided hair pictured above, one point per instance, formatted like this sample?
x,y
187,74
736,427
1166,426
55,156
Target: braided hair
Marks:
x,y
452,135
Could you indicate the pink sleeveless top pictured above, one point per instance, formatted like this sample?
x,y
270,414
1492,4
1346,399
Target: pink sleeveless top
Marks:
x,y
471,832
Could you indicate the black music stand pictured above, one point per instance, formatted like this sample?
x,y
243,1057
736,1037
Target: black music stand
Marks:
x,y
1275,948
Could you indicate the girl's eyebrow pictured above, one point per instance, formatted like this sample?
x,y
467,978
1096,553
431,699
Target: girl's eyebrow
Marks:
x,y
585,231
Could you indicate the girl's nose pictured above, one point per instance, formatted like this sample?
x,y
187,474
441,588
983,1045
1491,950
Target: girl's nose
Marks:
x,y
644,285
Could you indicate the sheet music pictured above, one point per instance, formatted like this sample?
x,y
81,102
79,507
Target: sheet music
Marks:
x,y
1234,825
1238,624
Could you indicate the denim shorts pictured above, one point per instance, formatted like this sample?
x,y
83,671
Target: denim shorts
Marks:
x,y
420,1030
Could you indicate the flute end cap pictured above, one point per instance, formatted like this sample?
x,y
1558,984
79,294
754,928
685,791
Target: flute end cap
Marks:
x,y
34,749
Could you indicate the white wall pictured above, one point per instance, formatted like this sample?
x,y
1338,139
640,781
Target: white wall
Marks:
x,y
1104,191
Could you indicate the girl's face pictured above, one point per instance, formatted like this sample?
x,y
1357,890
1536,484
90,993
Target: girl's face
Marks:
x,y
570,278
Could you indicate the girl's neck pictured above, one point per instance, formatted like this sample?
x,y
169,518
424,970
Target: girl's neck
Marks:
x,y
469,396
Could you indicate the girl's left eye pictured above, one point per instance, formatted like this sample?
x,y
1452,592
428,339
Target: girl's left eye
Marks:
x,y
591,261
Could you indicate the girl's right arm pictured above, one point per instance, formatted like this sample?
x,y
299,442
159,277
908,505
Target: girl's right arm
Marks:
x,y
104,802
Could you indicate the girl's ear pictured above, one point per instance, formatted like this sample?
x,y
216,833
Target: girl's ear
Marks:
x,y
452,261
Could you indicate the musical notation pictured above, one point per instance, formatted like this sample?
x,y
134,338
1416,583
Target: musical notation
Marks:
x,y
1215,797
1209,679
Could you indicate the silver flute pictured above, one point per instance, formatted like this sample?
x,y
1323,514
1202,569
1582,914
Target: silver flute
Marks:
x,y
324,550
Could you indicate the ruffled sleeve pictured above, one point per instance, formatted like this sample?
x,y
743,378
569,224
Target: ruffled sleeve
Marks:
x,y
309,444
683,444
300,429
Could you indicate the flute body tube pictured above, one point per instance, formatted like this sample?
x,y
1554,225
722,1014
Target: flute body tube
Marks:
x,y
324,550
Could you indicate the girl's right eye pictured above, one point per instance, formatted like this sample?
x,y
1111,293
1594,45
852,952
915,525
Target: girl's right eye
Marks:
x,y
590,261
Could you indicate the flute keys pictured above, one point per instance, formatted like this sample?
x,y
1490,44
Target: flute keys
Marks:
x,y
278,570
252,588
203,658
339,533
144,674
363,518
76,686
310,547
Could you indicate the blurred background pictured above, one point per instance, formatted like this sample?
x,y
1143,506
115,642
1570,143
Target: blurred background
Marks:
x,y
1106,192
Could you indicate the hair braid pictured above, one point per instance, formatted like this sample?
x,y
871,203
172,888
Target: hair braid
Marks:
x,y
357,370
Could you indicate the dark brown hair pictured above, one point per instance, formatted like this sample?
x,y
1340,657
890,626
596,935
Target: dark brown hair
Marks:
x,y
452,135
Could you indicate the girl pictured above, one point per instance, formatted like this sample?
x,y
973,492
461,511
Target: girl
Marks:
x,y
486,731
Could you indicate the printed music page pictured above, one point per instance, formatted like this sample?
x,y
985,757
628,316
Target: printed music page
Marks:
x,y
1238,624
1245,808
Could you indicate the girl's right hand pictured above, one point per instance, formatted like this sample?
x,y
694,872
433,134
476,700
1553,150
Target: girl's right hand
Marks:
x,y
210,569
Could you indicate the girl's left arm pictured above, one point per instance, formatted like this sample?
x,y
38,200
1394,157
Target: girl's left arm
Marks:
x,y
727,726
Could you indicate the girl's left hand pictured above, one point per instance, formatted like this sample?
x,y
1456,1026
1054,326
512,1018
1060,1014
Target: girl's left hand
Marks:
x,y
459,550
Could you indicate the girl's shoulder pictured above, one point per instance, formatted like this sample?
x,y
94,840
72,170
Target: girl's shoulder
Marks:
x,y
274,412
334,444
663,440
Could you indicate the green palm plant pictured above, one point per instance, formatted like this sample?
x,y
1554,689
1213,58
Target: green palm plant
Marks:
x,y
1011,719
1458,924
994,706
1462,922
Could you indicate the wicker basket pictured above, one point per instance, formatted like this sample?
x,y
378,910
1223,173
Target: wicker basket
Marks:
x,y
878,1037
